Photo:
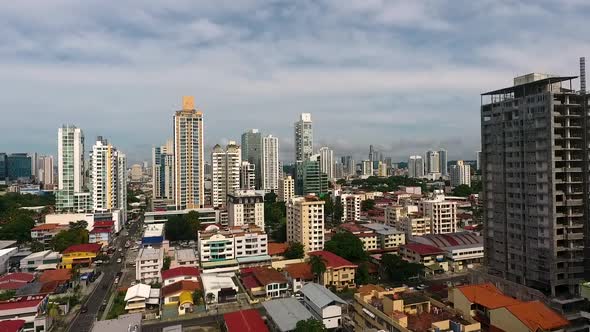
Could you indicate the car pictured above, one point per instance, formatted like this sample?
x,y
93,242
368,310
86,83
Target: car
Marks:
x,y
116,280
98,262
119,260
84,309
421,287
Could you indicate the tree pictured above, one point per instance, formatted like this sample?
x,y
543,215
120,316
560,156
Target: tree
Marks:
x,y
279,233
462,191
18,228
179,228
37,246
362,274
166,264
338,212
367,204
395,269
6,295
294,250
328,207
310,325
318,266
80,224
346,245
270,197
197,297
341,181
69,237
193,219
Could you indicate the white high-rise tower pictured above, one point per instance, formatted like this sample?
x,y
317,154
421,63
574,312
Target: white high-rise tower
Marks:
x,y
225,177
270,163
327,162
70,166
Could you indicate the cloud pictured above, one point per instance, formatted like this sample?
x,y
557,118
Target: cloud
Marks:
x,y
404,76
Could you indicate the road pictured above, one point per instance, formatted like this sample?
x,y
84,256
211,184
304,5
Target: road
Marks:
x,y
206,320
83,322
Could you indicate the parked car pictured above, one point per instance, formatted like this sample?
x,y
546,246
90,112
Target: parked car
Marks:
x,y
119,260
84,309
421,287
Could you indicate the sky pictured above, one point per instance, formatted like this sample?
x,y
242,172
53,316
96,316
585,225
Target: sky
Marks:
x,y
405,76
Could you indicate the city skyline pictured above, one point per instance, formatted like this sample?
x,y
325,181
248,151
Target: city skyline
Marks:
x,y
381,67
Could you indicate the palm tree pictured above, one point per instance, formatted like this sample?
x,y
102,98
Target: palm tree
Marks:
x,y
318,266
198,297
54,311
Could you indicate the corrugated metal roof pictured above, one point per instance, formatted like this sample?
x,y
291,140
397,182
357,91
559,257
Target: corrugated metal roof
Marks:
x,y
286,312
320,295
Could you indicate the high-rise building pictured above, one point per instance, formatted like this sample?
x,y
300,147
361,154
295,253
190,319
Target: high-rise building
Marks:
x,y
34,165
45,170
70,167
348,165
108,174
252,152
338,170
367,168
313,180
305,222
225,178
372,153
478,161
442,213
327,162
416,167
442,158
136,172
245,207
247,176
382,169
432,162
163,171
286,189
3,166
535,177
270,163
460,174
189,188
303,138
351,207
19,166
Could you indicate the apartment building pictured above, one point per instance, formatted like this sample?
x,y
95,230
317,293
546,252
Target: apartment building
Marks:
x,y
442,213
351,207
460,174
286,189
247,176
339,271
45,232
305,222
149,263
270,163
225,177
245,207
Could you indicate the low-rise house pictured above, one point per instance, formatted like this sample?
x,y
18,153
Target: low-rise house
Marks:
x,y
284,313
61,276
264,282
248,320
127,322
41,260
148,264
431,257
102,232
180,273
387,237
180,295
219,287
339,271
488,305
184,257
15,281
44,233
463,250
323,304
5,255
13,325
277,250
298,274
79,254
31,309
139,297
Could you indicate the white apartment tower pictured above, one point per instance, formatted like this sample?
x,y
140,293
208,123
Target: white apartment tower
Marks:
x,y
303,138
432,162
247,176
460,174
367,168
416,167
327,162
305,222
286,189
70,166
442,213
163,171
245,207
189,190
108,174
270,163
351,207
225,177
45,170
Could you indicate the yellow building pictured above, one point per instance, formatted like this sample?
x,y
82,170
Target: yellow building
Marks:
x,y
79,254
305,222
339,272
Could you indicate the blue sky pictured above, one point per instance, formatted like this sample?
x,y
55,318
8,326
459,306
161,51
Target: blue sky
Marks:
x,y
402,75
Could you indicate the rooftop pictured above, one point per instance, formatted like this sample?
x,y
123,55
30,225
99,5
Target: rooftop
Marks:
x,y
264,276
286,312
185,255
487,295
21,302
275,248
320,295
299,270
382,229
511,89
87,247
244,321
537,316
47,227
56,275
15,281
423,249
13,325
149,254
122,323
453,240
183,285
333,260
180,271
354,228
41,254
139,290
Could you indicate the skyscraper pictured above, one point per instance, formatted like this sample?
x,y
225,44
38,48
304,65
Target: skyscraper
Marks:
x,y
535,176
189,191
327,162
303,138
19,166
163,171
432,162
270,163
442,158
367,168
247,176
314,181
70,166
416,167
252,152
478,161
348,165
305,222
225,178
45,170
108,174
460,174
3,166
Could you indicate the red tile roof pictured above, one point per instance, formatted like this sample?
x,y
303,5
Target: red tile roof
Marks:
x,y
275,248
332,260
423,249
487,295
354,228
47,227
179,286
249,282
180,271
13,325
263,276
21,302
15,281
299,270
61,275
537,316
244,321
87,247
104,223
96,230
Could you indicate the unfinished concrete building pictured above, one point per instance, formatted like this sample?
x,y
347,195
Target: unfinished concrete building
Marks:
x,y
535,150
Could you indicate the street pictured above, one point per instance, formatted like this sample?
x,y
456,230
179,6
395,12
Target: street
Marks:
x,y
206,320
83,322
